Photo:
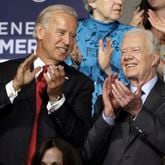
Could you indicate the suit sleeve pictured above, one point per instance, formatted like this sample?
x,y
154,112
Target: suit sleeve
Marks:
x,y
4,100
73,118
97,143
5,77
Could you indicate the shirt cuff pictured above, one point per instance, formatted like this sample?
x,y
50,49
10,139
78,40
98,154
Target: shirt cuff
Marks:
x,y
108,71
109,120
11,93
53,106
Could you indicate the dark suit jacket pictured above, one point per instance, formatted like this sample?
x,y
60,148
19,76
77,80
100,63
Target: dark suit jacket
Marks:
x,y
70,122
128,142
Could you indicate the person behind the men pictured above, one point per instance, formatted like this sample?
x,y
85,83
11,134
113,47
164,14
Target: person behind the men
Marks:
x,y
66,109
56,151
142,18
131,127
103,22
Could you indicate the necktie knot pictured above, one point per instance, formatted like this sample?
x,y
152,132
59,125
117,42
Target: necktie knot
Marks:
x,y
40,83
44,70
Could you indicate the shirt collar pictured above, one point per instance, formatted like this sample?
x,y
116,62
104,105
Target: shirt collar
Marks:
x,y
146,88
38,63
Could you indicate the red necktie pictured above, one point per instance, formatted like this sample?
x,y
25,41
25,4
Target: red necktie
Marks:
x,y
40,87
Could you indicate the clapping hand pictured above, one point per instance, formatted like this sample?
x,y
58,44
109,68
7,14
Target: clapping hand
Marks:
x,y
55,78
76,55
137,19
24,73
104,55
131,102
110,103
157,22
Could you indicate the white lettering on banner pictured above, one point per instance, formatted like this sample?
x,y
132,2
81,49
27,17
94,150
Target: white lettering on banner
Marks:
x,y
6,46
3,28
17,46
29,26
39,0
16,39
13,28
16,28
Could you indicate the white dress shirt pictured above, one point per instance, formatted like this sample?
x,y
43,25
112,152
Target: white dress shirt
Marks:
x,y
146,88
51,106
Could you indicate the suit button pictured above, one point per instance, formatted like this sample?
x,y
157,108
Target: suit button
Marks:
x,y
127,157
140,130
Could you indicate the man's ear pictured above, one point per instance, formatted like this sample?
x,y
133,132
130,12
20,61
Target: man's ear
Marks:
x,y
40,31
155,59
92,3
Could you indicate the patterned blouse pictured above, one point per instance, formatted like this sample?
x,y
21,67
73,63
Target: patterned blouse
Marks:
x,y
88,34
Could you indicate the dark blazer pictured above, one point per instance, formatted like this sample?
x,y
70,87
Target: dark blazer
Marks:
x,y
71,122
130,142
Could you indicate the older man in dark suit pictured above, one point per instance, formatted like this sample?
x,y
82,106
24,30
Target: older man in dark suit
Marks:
x,y
131,127
66,104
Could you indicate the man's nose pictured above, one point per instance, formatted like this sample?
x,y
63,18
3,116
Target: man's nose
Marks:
x,y
128,55
66,39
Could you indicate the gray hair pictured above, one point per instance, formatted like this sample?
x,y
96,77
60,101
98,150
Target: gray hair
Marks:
x,y
46,14
152,41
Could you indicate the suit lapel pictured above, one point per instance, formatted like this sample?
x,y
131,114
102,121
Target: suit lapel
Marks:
x,y
153,100
155,96
128,132
124,125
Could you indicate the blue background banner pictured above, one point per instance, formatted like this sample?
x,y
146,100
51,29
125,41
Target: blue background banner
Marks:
x,y
17,19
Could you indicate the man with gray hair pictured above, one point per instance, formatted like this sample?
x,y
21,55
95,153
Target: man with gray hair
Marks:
x,y
131,127
41,96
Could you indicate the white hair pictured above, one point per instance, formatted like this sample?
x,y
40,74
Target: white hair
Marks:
x,y
152,41
46,14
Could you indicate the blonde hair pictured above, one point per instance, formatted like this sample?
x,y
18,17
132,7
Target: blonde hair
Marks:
x,y
46,14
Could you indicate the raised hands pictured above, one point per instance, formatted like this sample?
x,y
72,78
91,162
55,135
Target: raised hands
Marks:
x,y
55,78
131,102
76,55
116,94
110,103
104,55
137,19
24,73
157,22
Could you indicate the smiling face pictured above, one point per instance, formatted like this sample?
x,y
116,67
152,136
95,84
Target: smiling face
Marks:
x,y
138,62
107,10
56,40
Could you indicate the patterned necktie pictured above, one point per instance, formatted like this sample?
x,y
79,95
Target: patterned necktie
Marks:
x,y
40,88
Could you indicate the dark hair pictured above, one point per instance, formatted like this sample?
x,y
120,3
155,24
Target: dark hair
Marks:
x,y
70,154
144,5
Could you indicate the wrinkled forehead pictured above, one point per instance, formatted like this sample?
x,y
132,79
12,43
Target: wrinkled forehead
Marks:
x,y
61,15
134,39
